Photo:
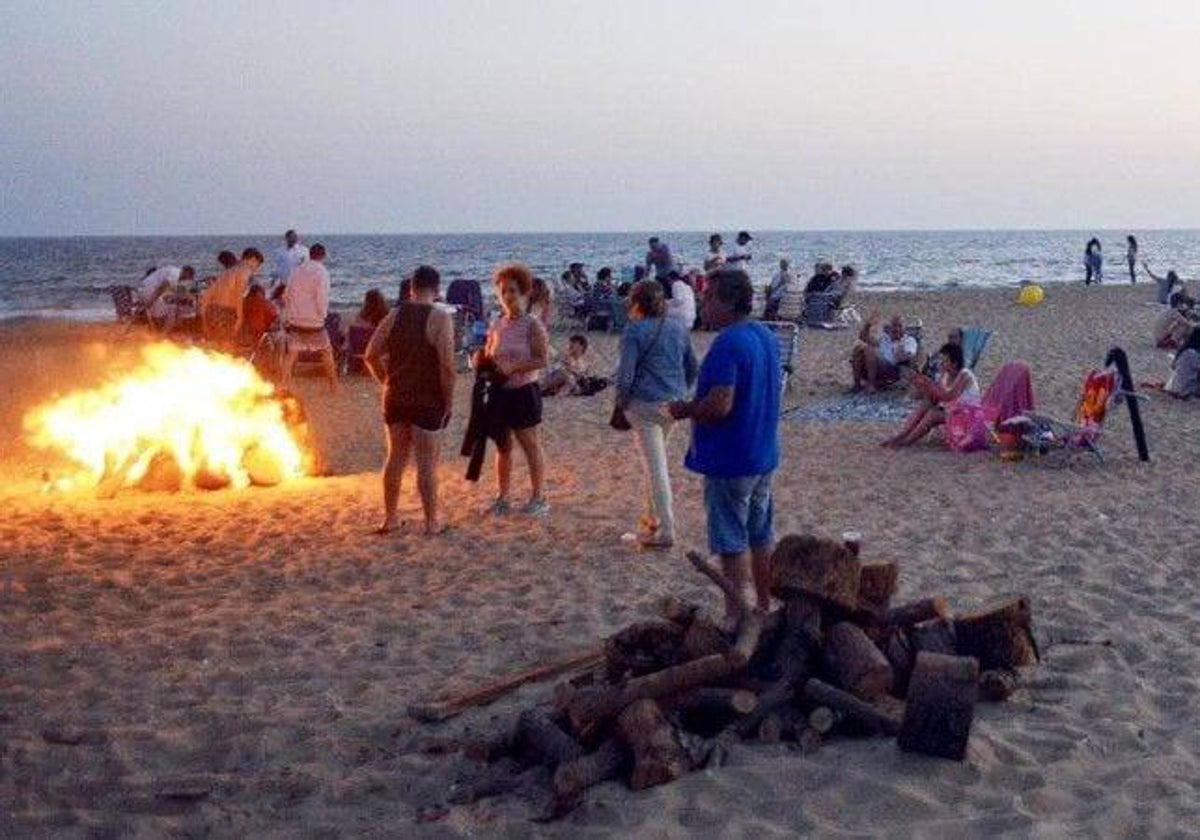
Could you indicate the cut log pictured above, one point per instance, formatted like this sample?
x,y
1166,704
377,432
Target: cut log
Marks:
x,y
822,694
573,777
749,632
778,696
677,610
857,665
821,720
941,705
770,731
877,585
997,685
658,757
589,708
817,568
933,636
703,638
539,740
447,706
490,747
642,648
718,702
808,740
999,635
907,615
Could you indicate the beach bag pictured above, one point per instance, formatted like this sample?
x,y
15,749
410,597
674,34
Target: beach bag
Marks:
x,y
966,427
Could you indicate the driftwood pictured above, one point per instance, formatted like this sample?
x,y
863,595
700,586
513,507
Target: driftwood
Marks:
x,y
857,665
875,719
907,615
677,610
723,583
821,720
934,636
447,706
703,638
997,685
817,568
642,648
998,635
572,778
721,704
658,757
941,705
589,708
539,740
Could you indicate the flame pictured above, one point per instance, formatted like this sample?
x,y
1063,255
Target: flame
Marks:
x,y
205,418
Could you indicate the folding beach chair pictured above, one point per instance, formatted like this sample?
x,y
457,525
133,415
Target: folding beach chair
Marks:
x,y
787,335
128,306
1043,435
337,343
357,339
974,341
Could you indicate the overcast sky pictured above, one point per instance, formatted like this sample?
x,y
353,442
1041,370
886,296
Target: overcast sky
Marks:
x,y
227,117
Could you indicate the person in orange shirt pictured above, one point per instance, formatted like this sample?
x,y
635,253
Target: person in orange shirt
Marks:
x,y
258,314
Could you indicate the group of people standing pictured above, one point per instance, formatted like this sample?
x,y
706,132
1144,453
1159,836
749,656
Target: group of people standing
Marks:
x,y
734,409
1093,260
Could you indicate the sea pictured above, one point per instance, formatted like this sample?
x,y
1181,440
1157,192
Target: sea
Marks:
x,y
69,277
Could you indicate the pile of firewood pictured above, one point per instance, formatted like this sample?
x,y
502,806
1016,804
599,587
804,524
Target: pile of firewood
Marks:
x,y
837,657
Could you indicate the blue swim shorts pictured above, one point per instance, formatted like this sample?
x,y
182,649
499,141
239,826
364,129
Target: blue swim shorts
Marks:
x,y
740,512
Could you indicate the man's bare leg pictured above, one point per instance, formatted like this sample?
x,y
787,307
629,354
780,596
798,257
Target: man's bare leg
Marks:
x,y
737,571
427,447
760,566
400,439
291,354
330,369
871,365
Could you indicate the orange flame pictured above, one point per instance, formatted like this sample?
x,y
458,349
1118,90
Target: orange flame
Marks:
x,y
210,414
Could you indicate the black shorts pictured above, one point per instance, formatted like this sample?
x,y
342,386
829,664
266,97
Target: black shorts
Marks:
x,y
517,408
431,418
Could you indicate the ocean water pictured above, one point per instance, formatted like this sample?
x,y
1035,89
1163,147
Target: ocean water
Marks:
x,y
68,277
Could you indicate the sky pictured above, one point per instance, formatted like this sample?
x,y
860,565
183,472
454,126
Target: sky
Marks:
x,y
367,116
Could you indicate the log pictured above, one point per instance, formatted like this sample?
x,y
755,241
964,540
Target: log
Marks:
x,y
716,576
997,685
589,708
677,610
857,665
817,568
934,636
489,748
718,702
770,731
447,706
877,585
808,740
573,777
749,632
539,740
641,648
658,757
778,696
898,650
821,720
915,612
703,638
941,705
999,635
877,720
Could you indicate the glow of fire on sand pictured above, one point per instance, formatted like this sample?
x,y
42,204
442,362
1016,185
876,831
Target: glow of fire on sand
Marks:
x,y
213,415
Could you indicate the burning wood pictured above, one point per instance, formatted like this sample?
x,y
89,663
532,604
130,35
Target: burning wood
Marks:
x,y
837,657
184,416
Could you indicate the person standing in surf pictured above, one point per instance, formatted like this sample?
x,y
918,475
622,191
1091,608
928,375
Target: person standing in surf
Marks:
x,y
1131,253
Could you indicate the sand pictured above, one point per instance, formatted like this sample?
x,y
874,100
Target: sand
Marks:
x,y
237,664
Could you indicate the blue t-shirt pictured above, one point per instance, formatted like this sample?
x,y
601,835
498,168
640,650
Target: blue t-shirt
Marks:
x,y
746,441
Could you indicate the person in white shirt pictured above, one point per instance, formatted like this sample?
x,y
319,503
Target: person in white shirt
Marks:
x,y
739,254
305,307
780,283
681,305
285,260
155,289
716,256
876,360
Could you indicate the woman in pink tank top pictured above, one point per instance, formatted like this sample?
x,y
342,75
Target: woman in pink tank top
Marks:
x,y
519,346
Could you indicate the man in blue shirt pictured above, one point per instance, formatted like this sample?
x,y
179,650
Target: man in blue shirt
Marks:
x,y
735,435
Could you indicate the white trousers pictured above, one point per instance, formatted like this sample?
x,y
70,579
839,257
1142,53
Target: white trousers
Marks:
x,y
652,429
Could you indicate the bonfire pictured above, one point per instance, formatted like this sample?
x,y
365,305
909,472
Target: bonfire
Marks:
x,y
182,417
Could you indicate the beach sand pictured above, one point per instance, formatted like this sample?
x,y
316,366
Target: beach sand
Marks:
x,y
237,664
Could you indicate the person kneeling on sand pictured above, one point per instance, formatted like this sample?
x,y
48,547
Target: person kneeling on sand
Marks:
x,y
955,382
412,355
735,436
877,355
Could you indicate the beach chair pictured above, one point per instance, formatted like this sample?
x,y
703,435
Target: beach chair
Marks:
x,y
571,308
128,306
974,342
337,341
787,336
1043,435
820,311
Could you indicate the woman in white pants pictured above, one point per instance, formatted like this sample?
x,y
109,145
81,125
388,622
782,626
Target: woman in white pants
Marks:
x,y
657,367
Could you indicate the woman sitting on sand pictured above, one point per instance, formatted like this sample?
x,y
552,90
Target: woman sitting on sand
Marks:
x,y
1185,370
518,347
374,309
955,383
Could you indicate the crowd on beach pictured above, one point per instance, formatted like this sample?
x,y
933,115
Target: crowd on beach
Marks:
x,y
731,397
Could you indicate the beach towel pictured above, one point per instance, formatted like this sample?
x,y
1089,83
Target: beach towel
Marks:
x,y
1010,394
966,426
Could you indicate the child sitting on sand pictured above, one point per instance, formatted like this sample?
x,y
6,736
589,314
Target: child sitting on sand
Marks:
x,y
568,375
